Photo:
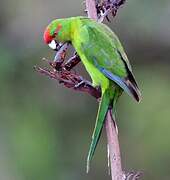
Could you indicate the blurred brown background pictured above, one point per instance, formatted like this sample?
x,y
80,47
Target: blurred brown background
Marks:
x,y
45,129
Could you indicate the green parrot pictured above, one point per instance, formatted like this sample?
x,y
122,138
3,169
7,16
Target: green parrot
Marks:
x,y
104,59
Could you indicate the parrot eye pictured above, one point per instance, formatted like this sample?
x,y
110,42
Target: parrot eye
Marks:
x,y
54,45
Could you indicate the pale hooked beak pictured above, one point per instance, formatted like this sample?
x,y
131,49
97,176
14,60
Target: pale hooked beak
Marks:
x,y
54,45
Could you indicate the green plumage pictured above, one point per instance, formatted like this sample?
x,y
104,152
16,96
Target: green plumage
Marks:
x,y
104,59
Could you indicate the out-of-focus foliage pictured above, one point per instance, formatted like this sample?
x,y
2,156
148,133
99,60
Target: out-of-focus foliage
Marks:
x,y
45,130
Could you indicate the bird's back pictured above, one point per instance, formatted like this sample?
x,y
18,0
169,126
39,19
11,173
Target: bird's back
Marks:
x,y
99,41
103,50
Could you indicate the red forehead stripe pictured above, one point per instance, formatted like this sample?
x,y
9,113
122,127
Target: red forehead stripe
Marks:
x,y
47,37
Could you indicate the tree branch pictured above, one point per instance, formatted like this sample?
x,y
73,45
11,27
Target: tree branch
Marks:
x,y
91,9
70,80
113,148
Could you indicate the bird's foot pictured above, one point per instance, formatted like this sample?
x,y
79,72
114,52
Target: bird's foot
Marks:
x,y
104,14
133,175
83,83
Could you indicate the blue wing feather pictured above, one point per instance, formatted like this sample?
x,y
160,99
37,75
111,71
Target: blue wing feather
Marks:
x,y
119,81
124,83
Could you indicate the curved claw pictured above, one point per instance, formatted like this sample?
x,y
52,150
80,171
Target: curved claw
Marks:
x,y
82,83
133,176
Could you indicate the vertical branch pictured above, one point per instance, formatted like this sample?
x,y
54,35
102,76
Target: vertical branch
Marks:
x,y
91,9
113,148
112,136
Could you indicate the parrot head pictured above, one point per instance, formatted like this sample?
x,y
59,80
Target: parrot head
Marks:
x,y
58,31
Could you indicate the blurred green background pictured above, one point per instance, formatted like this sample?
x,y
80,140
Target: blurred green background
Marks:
x,y
45,129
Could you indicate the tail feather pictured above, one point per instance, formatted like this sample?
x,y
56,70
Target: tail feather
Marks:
x,y
132,85
134,90
102,111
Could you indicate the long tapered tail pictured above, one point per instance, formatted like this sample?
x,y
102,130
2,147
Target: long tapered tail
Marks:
x,y
104,104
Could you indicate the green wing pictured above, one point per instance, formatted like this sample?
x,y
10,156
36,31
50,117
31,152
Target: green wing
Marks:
x,y
122,53
103,49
